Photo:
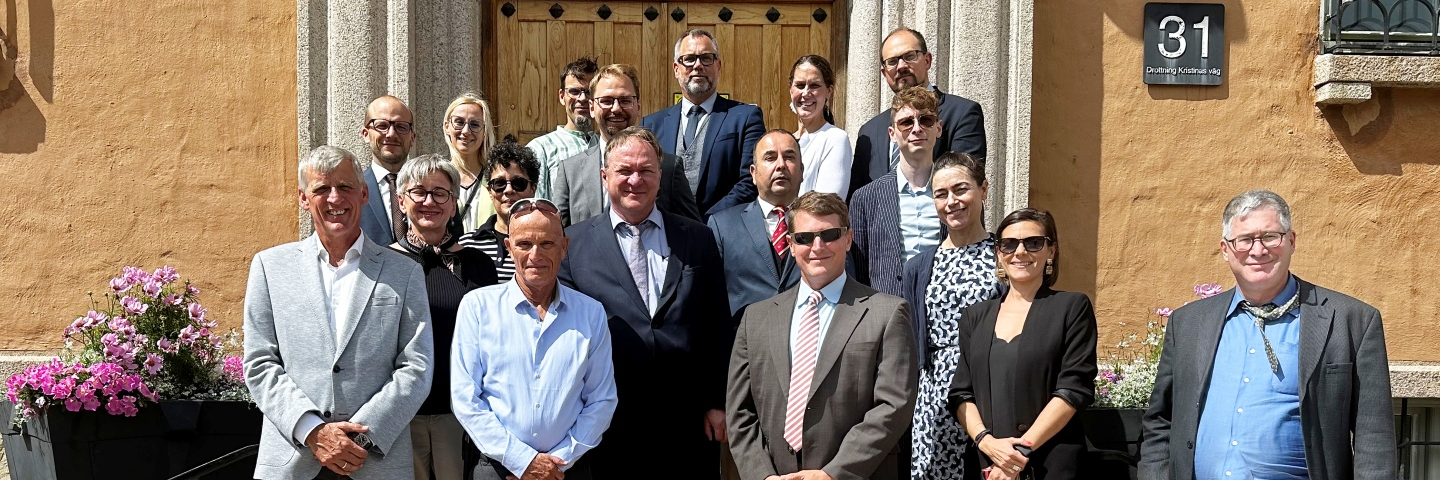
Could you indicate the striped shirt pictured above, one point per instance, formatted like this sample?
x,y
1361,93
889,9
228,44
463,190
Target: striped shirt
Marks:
x,y
554,147
487,240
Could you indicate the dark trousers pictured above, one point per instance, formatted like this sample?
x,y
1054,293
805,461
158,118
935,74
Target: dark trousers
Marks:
x,y
326,474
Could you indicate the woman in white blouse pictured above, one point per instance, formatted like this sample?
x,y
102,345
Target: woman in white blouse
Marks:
x,y
824,148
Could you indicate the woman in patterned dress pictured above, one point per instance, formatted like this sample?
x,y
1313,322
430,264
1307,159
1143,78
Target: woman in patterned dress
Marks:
x,y
939,283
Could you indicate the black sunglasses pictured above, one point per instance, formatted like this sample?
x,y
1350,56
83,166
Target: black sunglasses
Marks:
x,y
520,184
827,235
1032,244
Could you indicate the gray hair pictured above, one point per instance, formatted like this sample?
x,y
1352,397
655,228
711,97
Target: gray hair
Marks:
x,y
1249,201
325,159
424,165
696,32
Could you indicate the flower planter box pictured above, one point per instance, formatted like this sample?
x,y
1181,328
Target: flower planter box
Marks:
x,y
160,442
1114,437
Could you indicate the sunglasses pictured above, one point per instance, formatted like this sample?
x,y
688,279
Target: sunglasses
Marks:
x,y
1032,244
926,121
520,184
827,235
531,204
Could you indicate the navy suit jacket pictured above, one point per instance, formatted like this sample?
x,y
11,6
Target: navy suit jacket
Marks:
x,y
373,219
670,368
751,273
730,138
962,130
877,258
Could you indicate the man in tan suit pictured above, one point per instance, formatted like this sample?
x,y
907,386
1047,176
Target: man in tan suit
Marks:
x,y
823,376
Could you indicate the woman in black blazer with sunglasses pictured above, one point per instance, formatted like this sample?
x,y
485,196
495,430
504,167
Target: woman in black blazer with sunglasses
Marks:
x,y
1029,362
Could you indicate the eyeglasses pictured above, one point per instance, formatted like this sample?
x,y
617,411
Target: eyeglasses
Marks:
x,y
530,204
459,124
625,102
706,59
577,92
1268,239
439,194
909,57
520,184
926,121
827,235
382,126
1032,244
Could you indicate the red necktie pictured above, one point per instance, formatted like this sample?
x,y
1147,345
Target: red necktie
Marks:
x,y
807,350
778,240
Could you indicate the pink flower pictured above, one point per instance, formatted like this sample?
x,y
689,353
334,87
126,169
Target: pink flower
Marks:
x,y
165,274
73,404
1163,311
235,369
191,289
153,363
153,288
120,285
165,346
1207,290
174,299
134,275
187,335
133,305
121,405
145,391
197,312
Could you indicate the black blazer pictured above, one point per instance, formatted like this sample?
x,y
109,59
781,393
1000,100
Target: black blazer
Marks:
x,y
669,368
1056,355
963,130
730,137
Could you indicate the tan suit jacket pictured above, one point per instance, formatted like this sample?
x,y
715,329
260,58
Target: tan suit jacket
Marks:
x,y
861,398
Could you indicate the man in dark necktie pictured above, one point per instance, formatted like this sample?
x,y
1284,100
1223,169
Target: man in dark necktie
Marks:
x,y
389,130
660,279
1277,378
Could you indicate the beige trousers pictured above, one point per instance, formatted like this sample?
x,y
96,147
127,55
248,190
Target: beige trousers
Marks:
x,y
437,447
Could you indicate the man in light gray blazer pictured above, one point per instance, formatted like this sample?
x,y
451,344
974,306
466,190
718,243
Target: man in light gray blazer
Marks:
x,y
576,186
836,413
337,339
1277,378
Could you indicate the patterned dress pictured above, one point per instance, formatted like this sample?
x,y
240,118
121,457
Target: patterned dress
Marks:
x,y
961,277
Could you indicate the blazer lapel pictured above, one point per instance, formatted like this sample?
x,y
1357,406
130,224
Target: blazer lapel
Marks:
x,y
712,130
978,354
588,186
377,206
754,221
364,289
674,265
669,125
1207,337
307,280
1315,322
779,326
848,314
619,270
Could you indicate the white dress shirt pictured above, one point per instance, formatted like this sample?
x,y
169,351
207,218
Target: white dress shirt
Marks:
x,y
338,284
771,221
386,196
657,253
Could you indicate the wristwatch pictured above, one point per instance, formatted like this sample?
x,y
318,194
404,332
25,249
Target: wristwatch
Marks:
x,y
363,440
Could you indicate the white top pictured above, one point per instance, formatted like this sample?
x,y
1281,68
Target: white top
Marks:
x,y
386,196
827,156
338,282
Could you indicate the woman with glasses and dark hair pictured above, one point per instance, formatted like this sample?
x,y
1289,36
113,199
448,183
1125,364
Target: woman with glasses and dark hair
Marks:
x,y
939,283
824,147
1029,361
511,173
469,135
427,199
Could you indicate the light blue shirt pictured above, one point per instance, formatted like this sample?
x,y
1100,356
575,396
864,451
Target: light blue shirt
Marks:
x,y
919,222
1250,424
657,252
521,384
826,309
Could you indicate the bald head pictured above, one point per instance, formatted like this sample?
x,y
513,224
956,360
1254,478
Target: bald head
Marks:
x,y
777,170
537,243
389,130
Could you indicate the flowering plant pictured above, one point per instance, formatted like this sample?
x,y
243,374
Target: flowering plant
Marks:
x,y
153,341
1128,377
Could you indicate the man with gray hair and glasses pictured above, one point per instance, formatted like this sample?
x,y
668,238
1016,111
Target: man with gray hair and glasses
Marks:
x,y
338,347
1275,379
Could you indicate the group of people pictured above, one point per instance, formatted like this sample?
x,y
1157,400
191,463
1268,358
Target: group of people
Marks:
x,y
688,295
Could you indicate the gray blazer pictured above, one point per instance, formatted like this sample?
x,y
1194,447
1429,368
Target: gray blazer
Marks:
x,y
1344,388
861,398
579,192
376,374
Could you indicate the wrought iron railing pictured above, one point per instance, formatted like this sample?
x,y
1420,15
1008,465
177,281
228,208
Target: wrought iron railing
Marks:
x,y
1380,27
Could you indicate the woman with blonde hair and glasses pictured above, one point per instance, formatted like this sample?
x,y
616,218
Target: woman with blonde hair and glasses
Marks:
x,y
469,133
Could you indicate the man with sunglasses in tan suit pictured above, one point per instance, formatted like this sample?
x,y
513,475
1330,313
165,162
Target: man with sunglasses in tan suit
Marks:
x,y
823,377
905,62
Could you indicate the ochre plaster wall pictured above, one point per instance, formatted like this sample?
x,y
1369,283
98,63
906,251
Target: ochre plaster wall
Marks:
x,y
1138,175
145,133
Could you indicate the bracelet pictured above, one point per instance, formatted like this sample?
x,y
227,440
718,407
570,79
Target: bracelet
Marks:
x,y
981,436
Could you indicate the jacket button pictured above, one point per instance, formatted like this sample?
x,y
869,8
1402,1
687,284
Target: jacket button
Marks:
x,y
1189,445
337,369
326,414
1022,428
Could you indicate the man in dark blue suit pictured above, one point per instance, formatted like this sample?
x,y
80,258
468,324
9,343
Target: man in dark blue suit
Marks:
x,y
660,279
752,236
389,130
715,136
905,62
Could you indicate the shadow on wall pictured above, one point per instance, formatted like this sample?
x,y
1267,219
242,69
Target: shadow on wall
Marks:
x,y
20,116
1362,129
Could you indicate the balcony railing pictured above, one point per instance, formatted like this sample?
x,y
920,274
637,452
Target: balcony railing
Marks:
x,y
1380,27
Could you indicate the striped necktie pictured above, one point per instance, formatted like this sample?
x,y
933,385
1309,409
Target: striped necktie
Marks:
x,y
807,350
778,239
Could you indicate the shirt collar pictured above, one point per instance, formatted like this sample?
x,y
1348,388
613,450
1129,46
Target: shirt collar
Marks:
x,y
576,133
380,171
903,185
709,104
765,207
831,292
515,298
654,216
352,253
1291,289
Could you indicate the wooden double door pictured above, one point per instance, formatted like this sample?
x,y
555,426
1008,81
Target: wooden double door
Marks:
x,y
529,42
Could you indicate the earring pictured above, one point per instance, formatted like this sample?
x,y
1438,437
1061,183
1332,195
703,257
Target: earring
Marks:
x,y
1049,266
1000,273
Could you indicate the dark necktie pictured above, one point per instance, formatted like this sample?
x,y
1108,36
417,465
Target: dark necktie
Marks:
x,y
1268,313
691,125
396,220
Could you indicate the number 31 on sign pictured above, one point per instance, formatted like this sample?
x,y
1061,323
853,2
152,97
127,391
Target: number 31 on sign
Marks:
x,y
1184,43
